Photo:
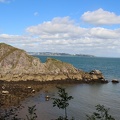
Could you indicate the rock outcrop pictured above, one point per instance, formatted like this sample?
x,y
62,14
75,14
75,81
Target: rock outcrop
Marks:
x,y
16,64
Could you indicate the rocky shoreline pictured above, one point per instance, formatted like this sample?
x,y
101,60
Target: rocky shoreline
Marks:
x,y
20,90
12,93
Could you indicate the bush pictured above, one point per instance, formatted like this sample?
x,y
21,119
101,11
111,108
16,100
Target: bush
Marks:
x,y
101,114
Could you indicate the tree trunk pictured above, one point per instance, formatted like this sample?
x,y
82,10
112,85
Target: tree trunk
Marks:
x,y
65,113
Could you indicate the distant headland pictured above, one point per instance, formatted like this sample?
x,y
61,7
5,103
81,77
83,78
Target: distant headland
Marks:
x,y
58,54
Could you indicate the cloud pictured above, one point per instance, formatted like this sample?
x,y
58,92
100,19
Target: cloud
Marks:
x,y
100,17
56,28
103,33
36,14
64,35
65,28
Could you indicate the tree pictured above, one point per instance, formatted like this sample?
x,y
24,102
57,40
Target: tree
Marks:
x,y
10,113
62,102
32,113
102,114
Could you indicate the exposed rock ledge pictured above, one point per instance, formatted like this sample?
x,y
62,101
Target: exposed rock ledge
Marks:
x,y
16,64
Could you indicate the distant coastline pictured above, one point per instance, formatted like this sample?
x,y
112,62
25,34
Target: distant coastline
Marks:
x,y
58,54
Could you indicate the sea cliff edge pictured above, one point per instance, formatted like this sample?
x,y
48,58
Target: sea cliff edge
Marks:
x,y
17,65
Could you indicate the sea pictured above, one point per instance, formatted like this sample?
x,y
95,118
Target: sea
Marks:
x,y
86,96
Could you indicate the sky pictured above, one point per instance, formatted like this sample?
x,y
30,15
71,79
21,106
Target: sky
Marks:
x,y
64,26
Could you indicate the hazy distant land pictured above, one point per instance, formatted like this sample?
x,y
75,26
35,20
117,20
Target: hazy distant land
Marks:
x,y
58,54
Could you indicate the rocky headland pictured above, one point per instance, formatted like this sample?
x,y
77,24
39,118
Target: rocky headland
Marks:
x,y
22,75
17,65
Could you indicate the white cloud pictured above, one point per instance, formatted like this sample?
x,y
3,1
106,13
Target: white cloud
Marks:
x,y
63,35
104,33
36,14
58,27
101,17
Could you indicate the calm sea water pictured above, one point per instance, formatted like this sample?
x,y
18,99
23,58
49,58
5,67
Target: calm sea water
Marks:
x,y
86,96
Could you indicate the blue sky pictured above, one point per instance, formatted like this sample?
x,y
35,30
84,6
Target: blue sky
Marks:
x,y
70,26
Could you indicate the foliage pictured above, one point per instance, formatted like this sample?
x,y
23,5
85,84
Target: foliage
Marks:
x,y
32,113
62,102
101,114
10,114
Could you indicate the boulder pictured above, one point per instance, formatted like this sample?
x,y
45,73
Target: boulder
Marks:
x,y
115,81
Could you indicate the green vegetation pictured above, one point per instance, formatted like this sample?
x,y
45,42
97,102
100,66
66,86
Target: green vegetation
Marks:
x,y
62,102
32,113
10,114
101,114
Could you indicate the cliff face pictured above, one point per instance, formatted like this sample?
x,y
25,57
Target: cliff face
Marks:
x,y
16,64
